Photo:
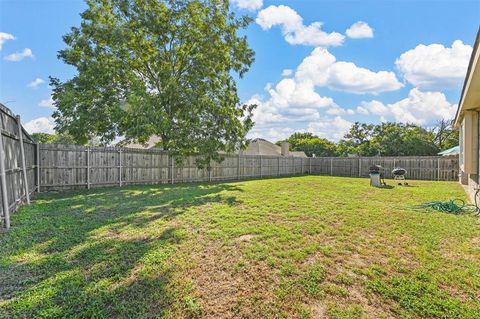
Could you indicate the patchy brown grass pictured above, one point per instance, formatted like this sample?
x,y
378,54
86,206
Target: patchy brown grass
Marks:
x,y
306,247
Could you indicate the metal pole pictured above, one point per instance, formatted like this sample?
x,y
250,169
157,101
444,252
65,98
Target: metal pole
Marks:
x,y
3,182
38,168
22,155
120,167
88,168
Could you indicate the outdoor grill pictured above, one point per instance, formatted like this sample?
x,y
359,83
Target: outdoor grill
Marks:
x,y
399,175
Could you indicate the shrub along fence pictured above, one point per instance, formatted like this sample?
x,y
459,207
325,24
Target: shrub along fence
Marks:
x,y
17,164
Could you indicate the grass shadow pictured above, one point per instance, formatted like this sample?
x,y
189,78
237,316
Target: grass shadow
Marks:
x,y
92,250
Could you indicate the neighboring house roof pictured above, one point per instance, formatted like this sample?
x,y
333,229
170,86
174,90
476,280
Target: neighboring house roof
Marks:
x,y
260,146
298,154
470,97
151,143
451,151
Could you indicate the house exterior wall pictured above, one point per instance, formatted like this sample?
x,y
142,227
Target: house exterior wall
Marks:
x,y
469,152
467,120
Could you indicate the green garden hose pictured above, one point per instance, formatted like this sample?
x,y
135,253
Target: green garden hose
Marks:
x,y
453,206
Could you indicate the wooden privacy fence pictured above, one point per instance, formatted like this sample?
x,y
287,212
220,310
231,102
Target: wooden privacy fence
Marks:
x,y
442,168
26,166
17,165
64,167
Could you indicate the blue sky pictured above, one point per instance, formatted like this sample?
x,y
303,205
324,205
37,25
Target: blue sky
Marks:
x,y
400,61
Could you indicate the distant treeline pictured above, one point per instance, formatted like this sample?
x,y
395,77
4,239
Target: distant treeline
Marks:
x,y
385,139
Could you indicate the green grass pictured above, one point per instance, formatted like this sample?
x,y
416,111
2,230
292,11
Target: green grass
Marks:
x,y
303,247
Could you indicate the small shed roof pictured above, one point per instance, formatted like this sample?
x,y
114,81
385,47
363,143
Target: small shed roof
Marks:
x,y
451,151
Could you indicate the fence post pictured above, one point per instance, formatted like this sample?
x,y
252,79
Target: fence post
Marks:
x,y
38,167
260,166
331,166
210,171
359,167
120,167
171,169
238,166
438,168
22,155
3,182
88,167
278,165
310,165
301,165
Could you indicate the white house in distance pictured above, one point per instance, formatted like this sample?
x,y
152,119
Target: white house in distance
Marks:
x,y
467,120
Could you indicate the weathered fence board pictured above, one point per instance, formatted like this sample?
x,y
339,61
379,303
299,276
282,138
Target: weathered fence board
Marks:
x,y
15,167
66,167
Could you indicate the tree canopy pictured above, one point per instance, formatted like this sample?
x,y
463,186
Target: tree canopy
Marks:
x,y
311,145
152,67
46,138
385,139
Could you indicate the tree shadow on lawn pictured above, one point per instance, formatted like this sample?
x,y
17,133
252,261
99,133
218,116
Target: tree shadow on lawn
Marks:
x,y
103,251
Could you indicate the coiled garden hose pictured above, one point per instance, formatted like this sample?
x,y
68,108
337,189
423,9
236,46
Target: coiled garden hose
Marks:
x,y
453,206
475,198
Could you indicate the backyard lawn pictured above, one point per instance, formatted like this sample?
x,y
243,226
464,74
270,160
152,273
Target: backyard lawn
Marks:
x,y
300,247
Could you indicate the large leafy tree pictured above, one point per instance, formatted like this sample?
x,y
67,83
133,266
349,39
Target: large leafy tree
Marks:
x,y
46,138
156,67
311,144
445,135
398,139
359,140
388,139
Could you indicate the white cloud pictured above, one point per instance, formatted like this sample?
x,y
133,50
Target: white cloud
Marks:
x,y
265,112
294,102
359,30
419,108
293,29
337,110
322,69
287,72
251,5
4,37
435,66
374,107
40,125
272,134
36,83
330,128
293,93
19,56
47,103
